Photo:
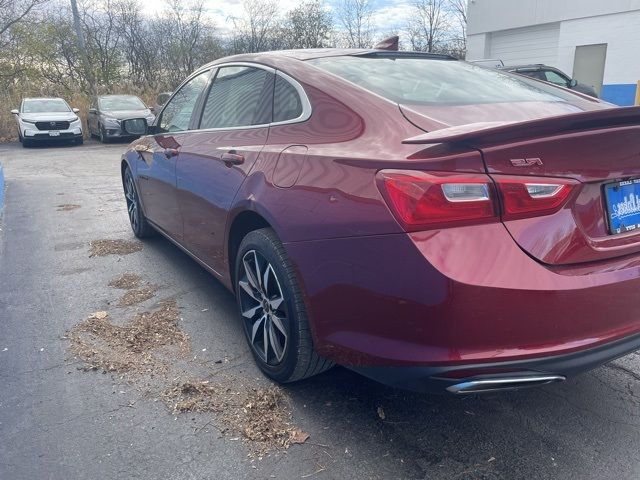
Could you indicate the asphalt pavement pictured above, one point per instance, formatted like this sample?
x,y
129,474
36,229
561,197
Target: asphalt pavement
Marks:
x,y
60,422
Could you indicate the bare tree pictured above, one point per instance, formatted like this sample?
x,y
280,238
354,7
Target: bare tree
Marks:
x,y
258,29
428,26
15,11
355,17
458,10
308,26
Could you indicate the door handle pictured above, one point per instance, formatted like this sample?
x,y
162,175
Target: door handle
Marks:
x,y
232,158
170,152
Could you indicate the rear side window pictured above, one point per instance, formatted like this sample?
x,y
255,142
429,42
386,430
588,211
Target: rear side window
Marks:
x,y
239,97
428,81
286,101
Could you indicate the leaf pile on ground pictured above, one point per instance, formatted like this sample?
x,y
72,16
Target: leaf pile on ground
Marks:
x,y
126,281
261,416
65,207
104,247
132,297
133,347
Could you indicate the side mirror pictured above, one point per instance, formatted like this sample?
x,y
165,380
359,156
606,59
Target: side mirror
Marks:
x,y
573,83
92,110
135,126
76,110
153,109
15,111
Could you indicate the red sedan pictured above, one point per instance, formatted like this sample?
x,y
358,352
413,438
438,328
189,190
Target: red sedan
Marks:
x,y
427,222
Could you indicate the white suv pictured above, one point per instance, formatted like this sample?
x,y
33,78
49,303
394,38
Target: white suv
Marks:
x,y
47,119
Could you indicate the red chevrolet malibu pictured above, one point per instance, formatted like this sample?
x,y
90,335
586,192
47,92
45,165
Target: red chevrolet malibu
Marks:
x,y
426,222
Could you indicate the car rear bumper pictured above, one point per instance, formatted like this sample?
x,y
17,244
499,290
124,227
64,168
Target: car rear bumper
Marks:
x,y
495,375
460,297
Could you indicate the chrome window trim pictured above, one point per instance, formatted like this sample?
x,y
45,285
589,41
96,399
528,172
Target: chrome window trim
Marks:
x,y
306,104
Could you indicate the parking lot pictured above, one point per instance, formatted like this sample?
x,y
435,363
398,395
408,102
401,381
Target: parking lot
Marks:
x,y
61,420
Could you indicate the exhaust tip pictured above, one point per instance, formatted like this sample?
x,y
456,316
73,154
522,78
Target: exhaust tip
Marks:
x,y
504,383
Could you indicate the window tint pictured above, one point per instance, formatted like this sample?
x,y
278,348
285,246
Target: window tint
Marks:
x,y
177,113
553,77
537,74
286,101
239,97
427,81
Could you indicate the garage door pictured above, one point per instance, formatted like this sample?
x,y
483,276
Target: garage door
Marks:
x,y
538,44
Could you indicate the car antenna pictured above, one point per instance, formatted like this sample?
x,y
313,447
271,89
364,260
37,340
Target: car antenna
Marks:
x,y
390,44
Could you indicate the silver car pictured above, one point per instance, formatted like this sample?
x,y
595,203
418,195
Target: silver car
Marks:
x,y
108,111
47,119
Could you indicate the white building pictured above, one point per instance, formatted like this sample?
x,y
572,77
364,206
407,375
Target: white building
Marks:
x,y
595,41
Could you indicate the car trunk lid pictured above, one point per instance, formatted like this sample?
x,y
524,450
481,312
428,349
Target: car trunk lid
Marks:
x,y
596,148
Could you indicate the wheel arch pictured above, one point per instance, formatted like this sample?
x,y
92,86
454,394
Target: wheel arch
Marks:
x,y
243,223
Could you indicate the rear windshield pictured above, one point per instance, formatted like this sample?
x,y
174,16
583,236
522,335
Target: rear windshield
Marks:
x,y
46,105
125,102
426,81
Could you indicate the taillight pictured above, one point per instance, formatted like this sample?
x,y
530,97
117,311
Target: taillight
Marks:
x,y
532,197
421,200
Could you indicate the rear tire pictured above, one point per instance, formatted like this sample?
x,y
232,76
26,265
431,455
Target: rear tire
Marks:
x,y
141,228
272,310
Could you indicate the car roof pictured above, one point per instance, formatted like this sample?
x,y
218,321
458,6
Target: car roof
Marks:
x,y
44,98
118,95
311,53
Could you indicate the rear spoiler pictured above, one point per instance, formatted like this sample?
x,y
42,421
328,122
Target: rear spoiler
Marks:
x,y
491,133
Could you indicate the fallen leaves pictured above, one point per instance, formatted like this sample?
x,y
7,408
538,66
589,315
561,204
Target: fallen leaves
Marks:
x,y
261,416
133,297
101,248
130,347
126,281
66,207
149,345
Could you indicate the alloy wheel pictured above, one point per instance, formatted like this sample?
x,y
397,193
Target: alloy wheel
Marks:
x,y
263,308
132,201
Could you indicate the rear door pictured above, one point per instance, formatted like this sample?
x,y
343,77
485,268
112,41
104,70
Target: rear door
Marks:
x,y
215,160
158,154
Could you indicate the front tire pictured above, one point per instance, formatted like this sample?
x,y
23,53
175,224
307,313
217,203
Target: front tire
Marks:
x,y
101,135
141,228
272,310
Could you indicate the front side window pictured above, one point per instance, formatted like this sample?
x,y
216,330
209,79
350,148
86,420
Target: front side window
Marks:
x,y
45,105
429,81
176,115
239,97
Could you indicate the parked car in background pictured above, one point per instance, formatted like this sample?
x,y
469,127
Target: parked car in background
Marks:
x,y
41,119
551,75
426,222
107,111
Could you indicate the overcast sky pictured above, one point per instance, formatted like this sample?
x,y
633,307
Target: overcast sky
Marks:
x,y
388,15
